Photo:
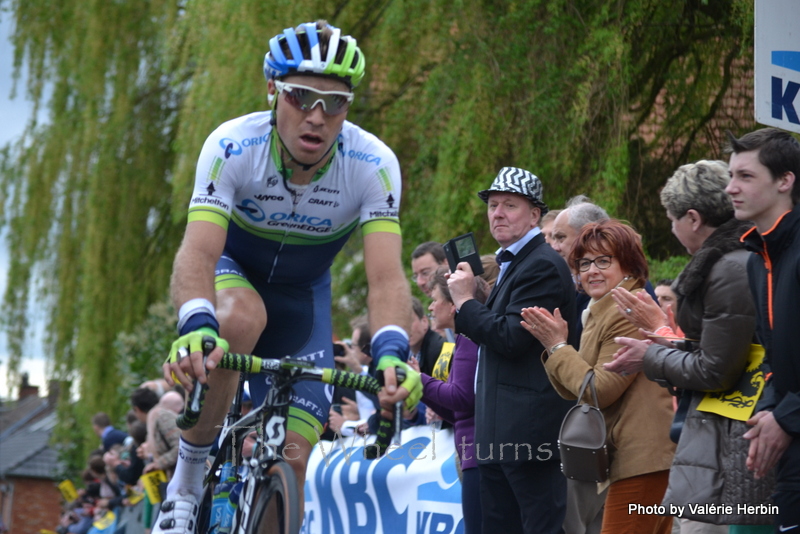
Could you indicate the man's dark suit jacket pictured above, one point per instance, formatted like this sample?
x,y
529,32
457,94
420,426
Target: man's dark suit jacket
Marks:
x,y
514,402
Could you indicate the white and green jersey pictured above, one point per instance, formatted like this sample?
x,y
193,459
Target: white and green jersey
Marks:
x,y
284,236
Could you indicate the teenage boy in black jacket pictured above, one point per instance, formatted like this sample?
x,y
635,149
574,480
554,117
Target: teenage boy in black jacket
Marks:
x,y
764,188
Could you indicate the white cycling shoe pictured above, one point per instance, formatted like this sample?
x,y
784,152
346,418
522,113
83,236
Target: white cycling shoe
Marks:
x,y
177,515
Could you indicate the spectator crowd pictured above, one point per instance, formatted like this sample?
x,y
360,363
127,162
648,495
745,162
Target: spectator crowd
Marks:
x,y
567,293
112,478
503,356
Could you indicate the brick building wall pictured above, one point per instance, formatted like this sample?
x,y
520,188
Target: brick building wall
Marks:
x,y
36,505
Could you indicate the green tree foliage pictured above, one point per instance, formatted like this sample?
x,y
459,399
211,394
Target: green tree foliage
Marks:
x,y
88,193
142,351
601,98
668,268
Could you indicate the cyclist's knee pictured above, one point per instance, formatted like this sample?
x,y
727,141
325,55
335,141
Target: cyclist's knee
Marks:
x,y
242,317
296,452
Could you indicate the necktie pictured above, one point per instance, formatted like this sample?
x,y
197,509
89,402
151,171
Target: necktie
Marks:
x,y
504,257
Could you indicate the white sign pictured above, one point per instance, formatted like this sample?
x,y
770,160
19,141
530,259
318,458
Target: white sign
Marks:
x,y
777,63
412,489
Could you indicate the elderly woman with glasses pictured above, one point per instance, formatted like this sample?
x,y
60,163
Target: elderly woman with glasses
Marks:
x,y
637,412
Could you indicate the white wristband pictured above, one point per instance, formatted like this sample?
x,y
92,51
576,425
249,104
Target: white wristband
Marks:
x,y
193,306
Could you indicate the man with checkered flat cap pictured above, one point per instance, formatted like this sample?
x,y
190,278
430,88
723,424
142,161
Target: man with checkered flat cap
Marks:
x,y
517,412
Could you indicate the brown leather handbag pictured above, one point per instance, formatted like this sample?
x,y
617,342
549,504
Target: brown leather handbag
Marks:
x,y
582,439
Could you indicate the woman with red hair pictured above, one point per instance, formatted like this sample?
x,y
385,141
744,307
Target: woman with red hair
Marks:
x,y
638,412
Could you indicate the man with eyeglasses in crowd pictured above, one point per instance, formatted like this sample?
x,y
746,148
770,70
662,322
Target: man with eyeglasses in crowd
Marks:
x,y
425,259
277,194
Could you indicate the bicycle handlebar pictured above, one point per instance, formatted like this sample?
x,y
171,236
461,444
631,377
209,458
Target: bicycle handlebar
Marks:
x,y
388,431
294,370
194,405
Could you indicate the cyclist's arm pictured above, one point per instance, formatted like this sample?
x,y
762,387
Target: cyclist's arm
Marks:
x,y
389,303
389,298
193,278
197,257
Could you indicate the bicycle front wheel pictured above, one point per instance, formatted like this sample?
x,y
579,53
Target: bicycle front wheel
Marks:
x,y
277,502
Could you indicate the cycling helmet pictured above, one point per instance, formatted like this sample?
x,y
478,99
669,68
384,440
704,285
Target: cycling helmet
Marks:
x,y
343,60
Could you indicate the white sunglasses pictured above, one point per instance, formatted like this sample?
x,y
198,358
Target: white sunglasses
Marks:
x,y
306,98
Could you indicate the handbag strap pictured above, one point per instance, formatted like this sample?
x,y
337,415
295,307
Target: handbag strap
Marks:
x,y
588,380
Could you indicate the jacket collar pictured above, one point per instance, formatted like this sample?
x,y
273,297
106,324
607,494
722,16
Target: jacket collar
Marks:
x,y
537,240
777,238
606,302
724,239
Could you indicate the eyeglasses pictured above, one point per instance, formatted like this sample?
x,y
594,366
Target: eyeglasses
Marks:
x,y
306,98
602,263
424,273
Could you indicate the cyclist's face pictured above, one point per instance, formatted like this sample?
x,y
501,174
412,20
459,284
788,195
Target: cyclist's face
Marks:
x,y
308,134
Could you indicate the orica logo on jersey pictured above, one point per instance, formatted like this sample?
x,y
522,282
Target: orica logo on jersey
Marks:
x,y
255,141
231,147
363,156
302,219
252,210
234,148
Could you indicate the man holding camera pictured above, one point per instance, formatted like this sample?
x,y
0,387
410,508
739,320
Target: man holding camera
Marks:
x,y
517,412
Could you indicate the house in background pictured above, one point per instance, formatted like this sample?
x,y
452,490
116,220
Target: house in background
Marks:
x,y
29,466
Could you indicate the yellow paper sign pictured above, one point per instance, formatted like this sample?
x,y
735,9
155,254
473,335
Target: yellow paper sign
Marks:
x,y
739,402
68,490
106,521
150,481
45,531
441,369
134,496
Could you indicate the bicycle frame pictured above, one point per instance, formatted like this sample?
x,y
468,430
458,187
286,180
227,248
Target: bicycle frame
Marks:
x,y
269,420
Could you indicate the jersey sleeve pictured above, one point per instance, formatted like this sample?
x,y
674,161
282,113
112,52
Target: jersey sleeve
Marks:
x,y
381,204
216,178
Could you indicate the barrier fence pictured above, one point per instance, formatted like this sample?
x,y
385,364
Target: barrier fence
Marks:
x,y
413,489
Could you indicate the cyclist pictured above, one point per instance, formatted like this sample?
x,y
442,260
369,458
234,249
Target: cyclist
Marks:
x,y
276,196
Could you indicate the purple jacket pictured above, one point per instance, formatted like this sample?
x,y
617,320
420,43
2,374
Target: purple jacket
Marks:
x,y
454,400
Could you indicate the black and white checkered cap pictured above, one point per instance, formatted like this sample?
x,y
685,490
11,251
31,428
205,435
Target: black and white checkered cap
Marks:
x,y
519,181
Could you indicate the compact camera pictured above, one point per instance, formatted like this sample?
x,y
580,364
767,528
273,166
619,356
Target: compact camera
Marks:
x,y
463,248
